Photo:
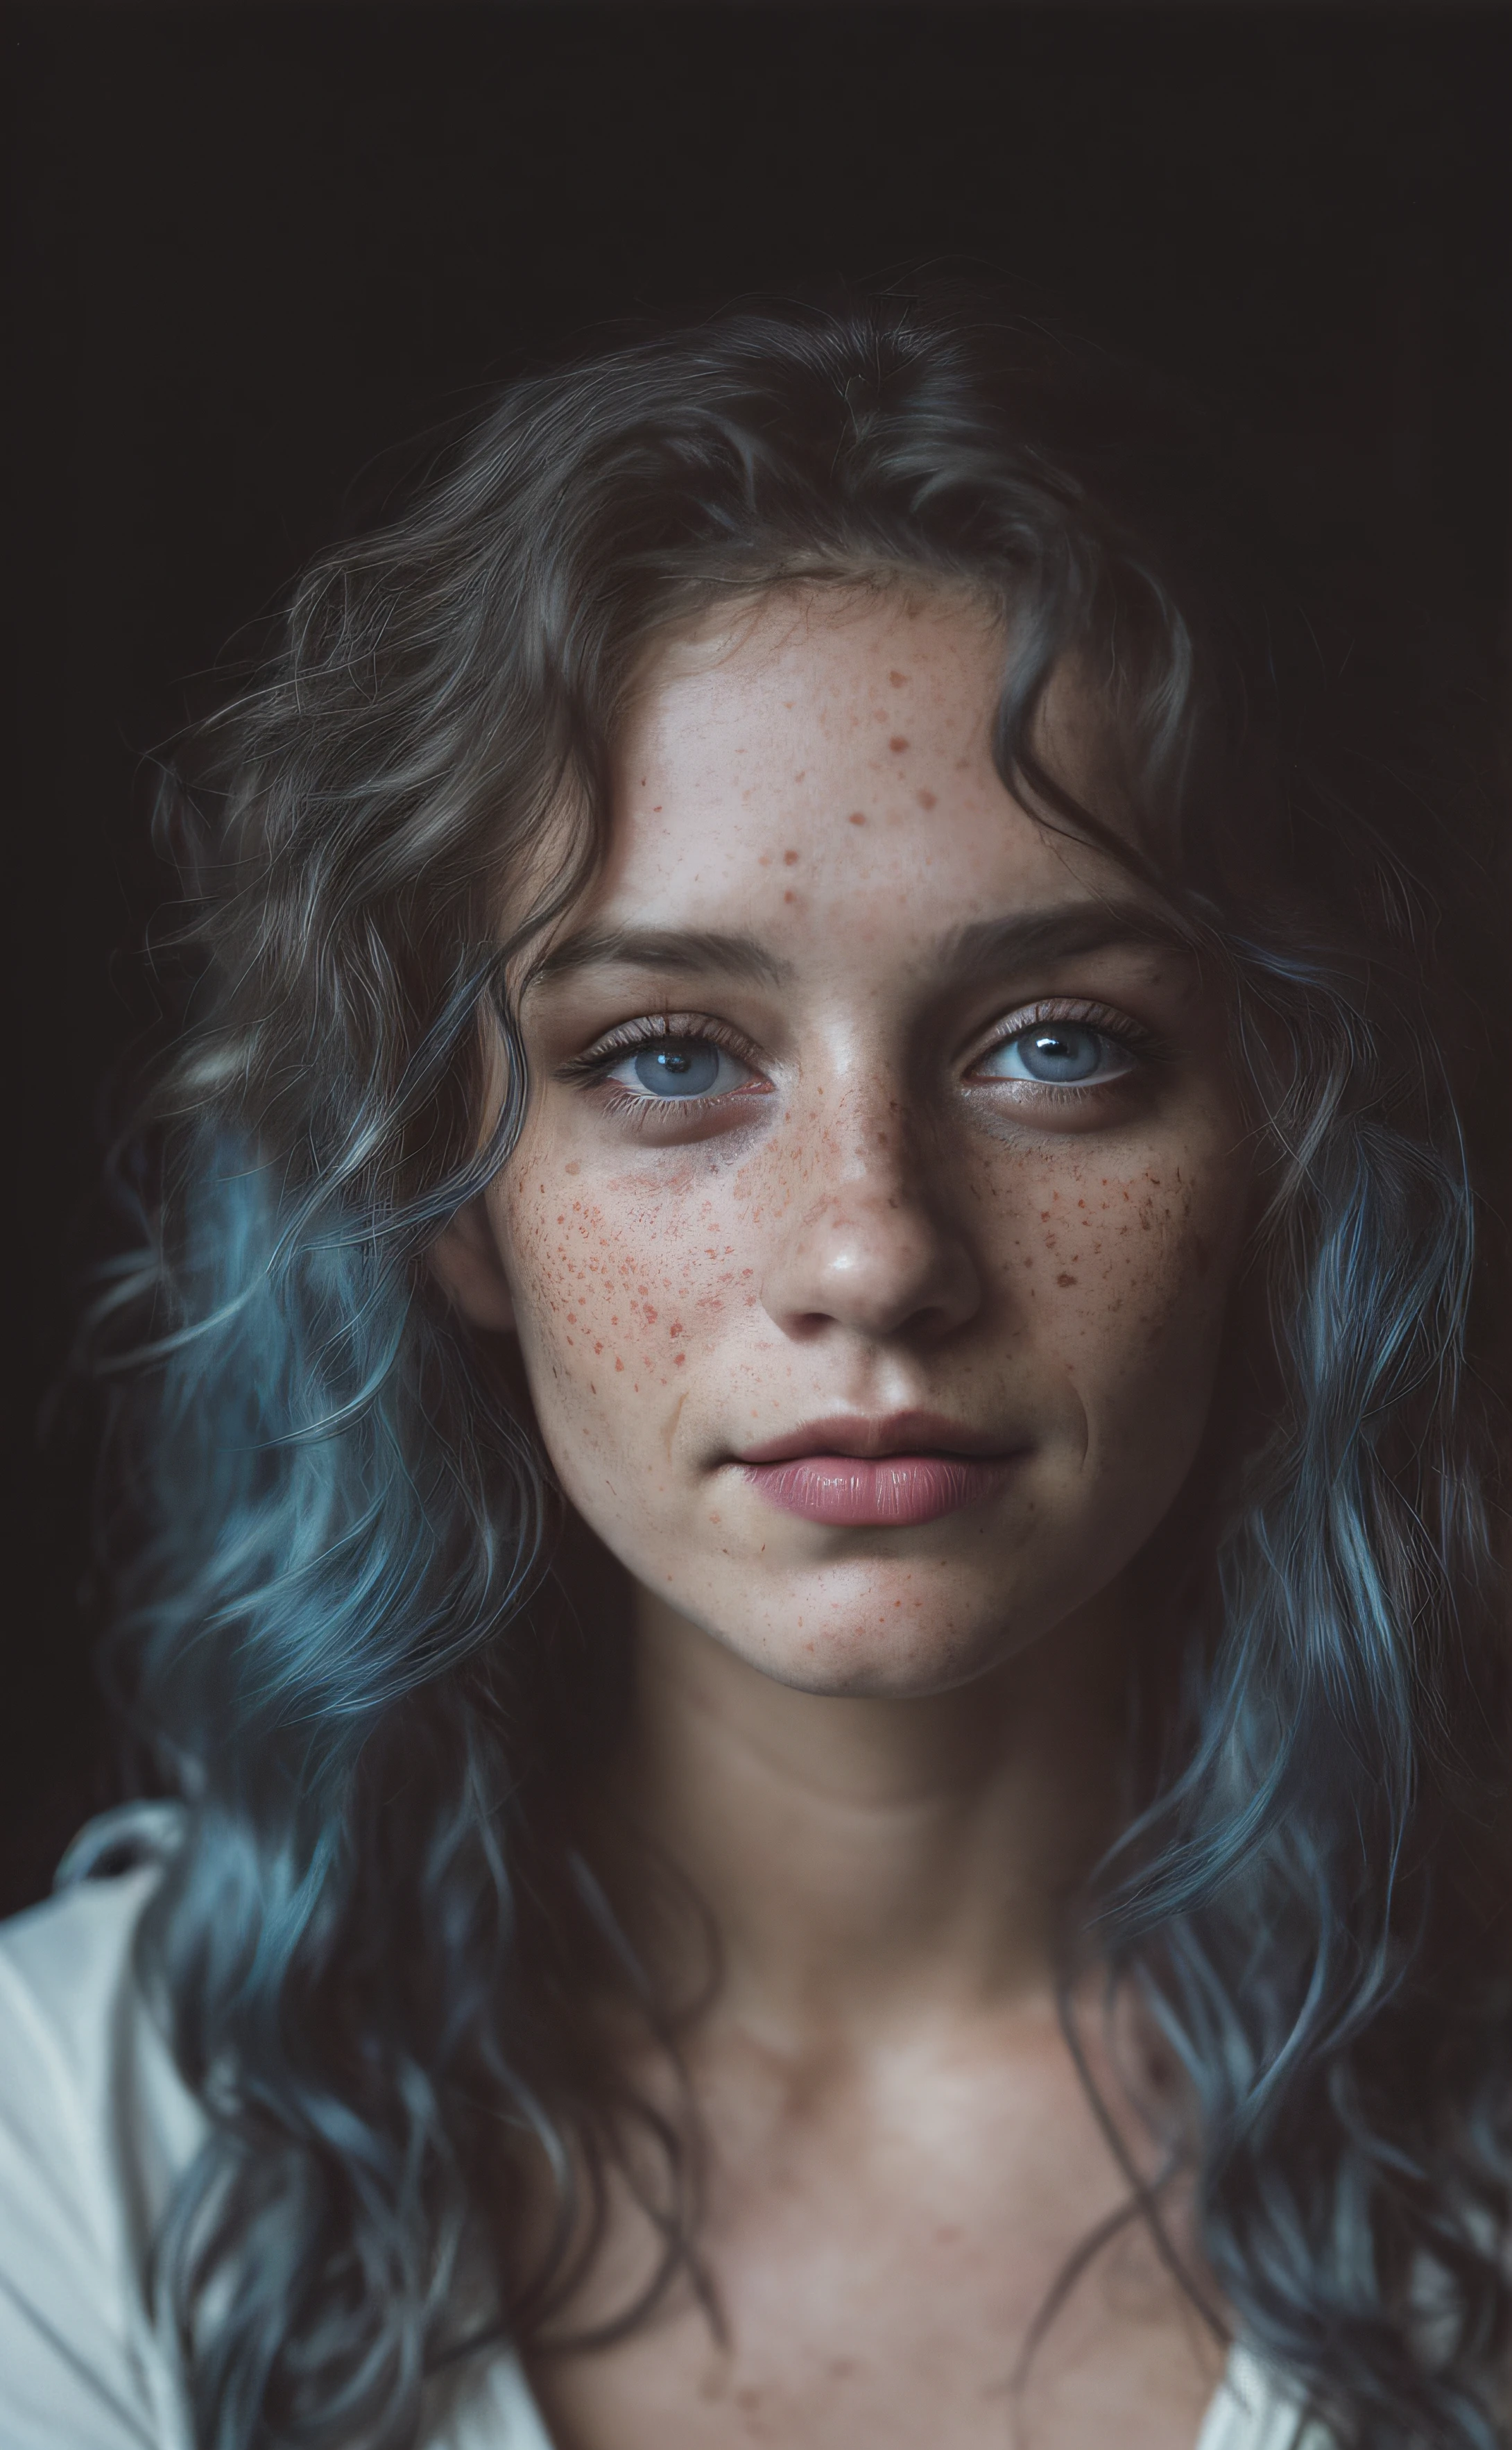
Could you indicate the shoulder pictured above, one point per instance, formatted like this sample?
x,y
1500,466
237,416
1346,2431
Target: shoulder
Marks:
x,y
1253,2411
95,2128
89,2074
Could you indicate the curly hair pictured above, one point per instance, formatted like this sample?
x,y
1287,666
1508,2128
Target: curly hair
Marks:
x,y
353,1626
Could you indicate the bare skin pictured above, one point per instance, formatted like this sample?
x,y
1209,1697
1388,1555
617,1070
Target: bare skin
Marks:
x,y
794,1158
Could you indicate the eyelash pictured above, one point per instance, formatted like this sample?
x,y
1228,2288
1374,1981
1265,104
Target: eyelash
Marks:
x,y
590,1068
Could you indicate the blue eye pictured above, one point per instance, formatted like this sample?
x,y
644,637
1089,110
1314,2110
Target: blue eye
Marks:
x,y
679,1067
1059,1053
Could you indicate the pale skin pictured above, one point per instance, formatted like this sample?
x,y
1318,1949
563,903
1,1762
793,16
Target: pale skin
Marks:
x,y
884,1753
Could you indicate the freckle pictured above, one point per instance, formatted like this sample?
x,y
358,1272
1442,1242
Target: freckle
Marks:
x,y
926,799
1065,1280
789,859
678,1359
855,818
573,1168
898,744
651,1315
899,680
789,896
798,777
766,860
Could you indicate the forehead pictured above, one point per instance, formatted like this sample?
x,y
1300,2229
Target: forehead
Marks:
x,y
825,758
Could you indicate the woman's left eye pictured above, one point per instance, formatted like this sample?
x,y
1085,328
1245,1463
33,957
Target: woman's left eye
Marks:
x,y
1067,1053
679,1067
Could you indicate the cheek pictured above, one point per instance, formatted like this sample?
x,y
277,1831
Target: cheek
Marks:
x,y
615,1291
1120,1279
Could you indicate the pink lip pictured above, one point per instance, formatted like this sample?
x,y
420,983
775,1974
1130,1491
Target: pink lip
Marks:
x,y
911,1467
897,1489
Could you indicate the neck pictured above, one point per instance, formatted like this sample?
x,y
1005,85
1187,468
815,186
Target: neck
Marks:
x,y
869,1860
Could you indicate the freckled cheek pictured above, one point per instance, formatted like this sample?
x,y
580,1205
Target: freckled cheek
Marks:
x,y
1147,1326
614,1300
1121,1279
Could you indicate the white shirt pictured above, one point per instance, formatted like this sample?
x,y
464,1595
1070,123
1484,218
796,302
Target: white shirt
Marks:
x,y
95,2124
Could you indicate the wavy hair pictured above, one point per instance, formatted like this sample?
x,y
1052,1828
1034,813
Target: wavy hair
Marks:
x,y
353,1628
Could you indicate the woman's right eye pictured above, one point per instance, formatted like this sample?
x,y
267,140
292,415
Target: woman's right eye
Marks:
x,y
670,1068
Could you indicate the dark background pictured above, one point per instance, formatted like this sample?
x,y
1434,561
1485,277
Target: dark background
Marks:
x,y
255,249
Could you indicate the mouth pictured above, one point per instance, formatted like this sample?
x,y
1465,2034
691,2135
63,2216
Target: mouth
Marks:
x,y
855,1473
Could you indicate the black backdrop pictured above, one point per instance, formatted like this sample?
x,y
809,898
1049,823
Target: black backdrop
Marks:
x,y
256,248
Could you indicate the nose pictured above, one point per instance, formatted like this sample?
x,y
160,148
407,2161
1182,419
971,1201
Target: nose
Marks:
x,y
877,1251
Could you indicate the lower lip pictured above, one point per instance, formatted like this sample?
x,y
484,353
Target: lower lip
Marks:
x,y
893,1491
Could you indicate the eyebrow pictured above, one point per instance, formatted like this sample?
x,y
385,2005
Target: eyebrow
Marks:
x,y
989,946
983,950
690,952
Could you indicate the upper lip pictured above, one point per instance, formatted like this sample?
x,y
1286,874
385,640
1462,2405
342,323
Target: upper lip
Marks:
x,y
873,1436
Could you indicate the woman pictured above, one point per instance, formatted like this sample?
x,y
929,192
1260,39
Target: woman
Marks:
x,y
810,1535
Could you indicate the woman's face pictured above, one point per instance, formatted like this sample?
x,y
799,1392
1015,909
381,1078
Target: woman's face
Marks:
x,y
869,1238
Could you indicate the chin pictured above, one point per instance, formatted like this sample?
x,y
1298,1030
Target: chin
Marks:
x,y
880,1645
877,1627
870,1671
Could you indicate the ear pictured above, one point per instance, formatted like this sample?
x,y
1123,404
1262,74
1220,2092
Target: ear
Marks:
x,y
465,1261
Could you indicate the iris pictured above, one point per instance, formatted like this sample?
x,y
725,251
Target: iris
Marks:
x,y
1058,1051
683,1067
